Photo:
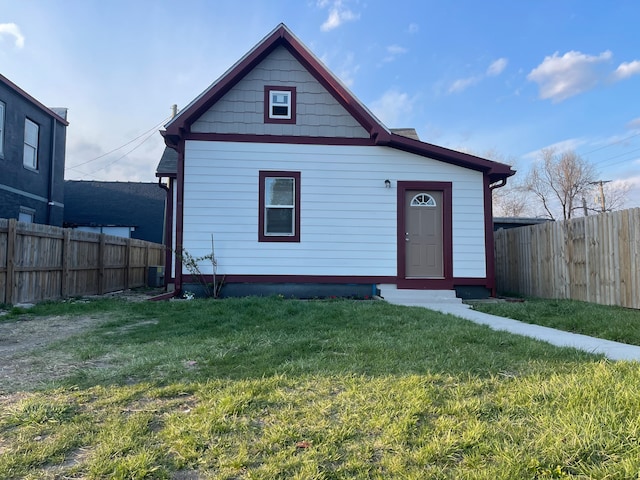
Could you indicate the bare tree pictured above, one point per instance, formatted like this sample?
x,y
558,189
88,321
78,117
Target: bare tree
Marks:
x,y
607,196
560,181
512,199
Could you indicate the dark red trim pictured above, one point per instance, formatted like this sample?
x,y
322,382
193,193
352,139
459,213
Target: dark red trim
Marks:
x,y
447,235
168,231
497,171
344,279
267,103
488,235
273,238
468,281
289,139
164,296
340,279
334,87
179,214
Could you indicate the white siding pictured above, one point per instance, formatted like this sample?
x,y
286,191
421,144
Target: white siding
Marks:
x,y
348,217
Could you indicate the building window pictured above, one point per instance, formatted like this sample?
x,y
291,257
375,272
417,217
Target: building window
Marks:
x,y
279,203
30,158
279,104
26,215
1,129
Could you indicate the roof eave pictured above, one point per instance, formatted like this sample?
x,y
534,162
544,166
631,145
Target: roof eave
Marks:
x,y
495,170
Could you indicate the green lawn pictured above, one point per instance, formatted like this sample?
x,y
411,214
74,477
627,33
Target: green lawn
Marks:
x,y
285,389
611,323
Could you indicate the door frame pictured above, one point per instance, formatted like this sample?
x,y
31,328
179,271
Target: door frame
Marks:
x,y
447,237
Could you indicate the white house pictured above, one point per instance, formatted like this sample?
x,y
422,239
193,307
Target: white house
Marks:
x,y
304,191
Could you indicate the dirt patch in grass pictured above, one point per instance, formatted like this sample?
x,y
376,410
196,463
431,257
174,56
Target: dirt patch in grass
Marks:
x,y
20,369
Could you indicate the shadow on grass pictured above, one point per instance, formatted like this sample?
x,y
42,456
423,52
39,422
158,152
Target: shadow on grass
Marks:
x,y
260,337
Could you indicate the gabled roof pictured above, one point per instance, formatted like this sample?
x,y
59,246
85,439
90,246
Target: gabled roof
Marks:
x,y
28,97
180,125
117,204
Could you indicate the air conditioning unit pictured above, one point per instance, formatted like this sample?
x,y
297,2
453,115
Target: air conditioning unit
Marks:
x,y
155,276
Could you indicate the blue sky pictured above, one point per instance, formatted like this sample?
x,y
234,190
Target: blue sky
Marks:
x,y
510,77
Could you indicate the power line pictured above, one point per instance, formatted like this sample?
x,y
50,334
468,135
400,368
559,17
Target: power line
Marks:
x,y
617,156
152,129
122,156
611,144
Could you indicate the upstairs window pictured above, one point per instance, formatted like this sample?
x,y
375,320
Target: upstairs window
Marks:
x,y
279,203
279,104
31,131
1,129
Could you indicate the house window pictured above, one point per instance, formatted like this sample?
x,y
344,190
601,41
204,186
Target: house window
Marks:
x,y
280,104
1,129
30,158
279,203
26,215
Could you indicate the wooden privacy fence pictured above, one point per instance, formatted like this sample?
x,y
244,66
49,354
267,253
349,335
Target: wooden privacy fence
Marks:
x,y
40,262
594,259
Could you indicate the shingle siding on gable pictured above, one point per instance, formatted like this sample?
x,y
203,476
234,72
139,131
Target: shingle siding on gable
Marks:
x,y
241,110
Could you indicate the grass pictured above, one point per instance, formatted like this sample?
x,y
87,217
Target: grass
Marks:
x,y
282,389
612,323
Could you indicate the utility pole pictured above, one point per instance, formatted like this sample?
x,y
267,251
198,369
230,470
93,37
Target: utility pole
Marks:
x,y
600,183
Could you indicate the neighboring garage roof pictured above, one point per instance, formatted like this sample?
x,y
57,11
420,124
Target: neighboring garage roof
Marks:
x,y
131,204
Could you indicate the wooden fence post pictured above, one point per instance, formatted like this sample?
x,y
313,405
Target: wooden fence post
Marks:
x,y
127,266
145,275
11,251
101,262
66,258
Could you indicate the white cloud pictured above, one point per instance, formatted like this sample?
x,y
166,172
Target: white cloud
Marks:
x,y
561,77
493,70
393,108
497,67
634,124
626,70
463,83
562,146
13,30
396,49
393,51
338,14
348,69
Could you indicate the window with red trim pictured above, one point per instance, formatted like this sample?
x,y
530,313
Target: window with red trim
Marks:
x,y
279,204
279,104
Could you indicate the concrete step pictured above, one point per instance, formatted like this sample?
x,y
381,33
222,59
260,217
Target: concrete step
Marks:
x,y
405,296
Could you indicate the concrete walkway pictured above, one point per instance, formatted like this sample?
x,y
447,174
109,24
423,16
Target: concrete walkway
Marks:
x,y
445,301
